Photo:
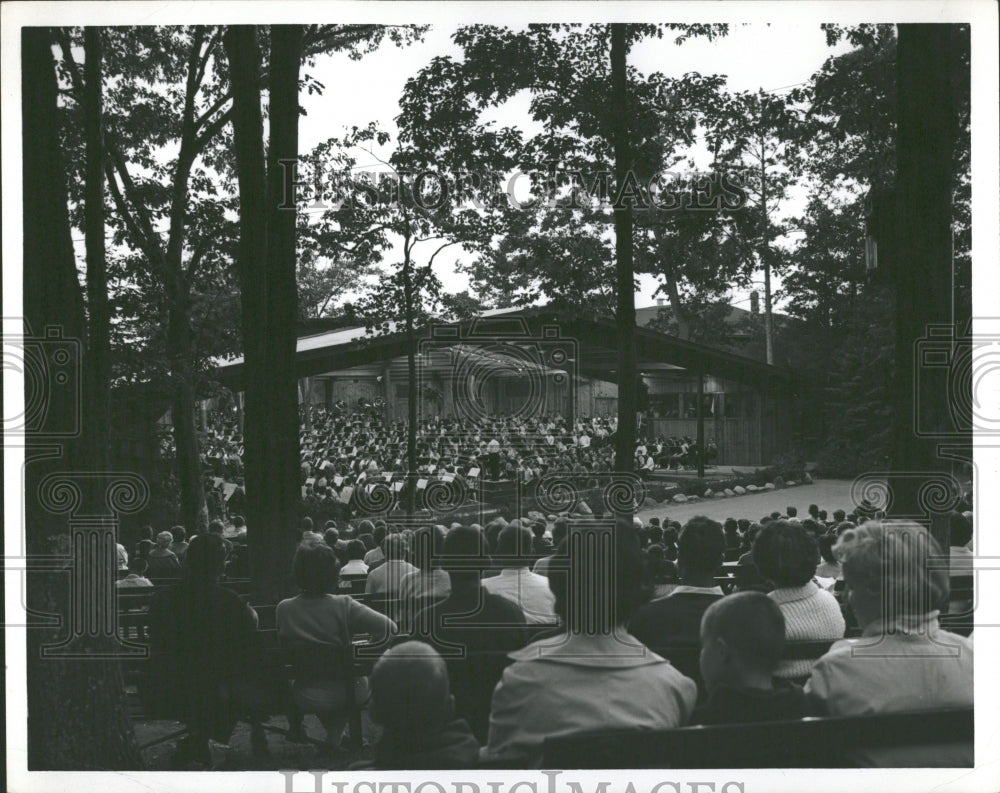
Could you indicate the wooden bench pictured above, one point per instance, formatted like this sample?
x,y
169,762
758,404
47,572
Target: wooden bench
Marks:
x,y
829,742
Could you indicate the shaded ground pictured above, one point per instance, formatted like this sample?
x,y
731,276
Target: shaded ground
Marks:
x,y
236,756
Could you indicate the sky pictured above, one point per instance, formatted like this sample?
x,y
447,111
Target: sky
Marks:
x,y
773,57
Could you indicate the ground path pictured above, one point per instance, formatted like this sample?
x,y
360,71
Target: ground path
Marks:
x,y
828,494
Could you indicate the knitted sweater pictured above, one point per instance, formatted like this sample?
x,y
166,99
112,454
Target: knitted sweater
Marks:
x,y
810,614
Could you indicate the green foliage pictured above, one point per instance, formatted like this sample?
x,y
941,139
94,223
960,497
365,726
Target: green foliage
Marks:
x,y
557,246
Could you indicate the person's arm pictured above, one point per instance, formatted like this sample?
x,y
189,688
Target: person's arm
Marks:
x,y
505,718
817,690
362,619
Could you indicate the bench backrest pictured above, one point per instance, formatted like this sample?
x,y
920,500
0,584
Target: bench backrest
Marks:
x,y
804,743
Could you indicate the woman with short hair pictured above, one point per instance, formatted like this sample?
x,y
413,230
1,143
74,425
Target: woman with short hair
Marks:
x,y
903,660
316,620
787,555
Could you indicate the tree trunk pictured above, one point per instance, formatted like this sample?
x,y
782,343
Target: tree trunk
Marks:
x,y
283,480
98,374
765,253
411,393
625,314
926,129
77,715
180,341
268,294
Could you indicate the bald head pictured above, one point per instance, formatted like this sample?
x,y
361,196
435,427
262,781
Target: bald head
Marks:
x,y
410,689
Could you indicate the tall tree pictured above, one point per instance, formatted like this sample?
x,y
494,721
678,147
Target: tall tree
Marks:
x,y
758,133
927,127
267,266
587,134
77,715
415,215
624,269
181,56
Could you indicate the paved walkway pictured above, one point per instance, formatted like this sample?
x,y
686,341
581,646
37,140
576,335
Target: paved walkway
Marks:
x,y
828,494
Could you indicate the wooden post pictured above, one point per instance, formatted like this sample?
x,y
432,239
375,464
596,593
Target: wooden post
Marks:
x,y
701,422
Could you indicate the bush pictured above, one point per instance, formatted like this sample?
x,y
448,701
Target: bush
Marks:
x,y
788,465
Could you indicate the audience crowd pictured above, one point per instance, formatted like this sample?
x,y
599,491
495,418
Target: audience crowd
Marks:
x,y
491,639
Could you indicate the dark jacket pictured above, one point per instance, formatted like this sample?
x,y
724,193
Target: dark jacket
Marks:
x,y
453,747
481,630
203,653
729,705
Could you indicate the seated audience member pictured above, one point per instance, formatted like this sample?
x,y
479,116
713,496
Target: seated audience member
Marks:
x,y
412,702
670,535
429,581
593,674
330,535
136,575
163,563
839,516
787,555
376,555
218,528
121,559
386,578
145,535
792,512
355,564
742,638
733,540
540,544
203,653
660,571
674,622
516,582
903,660
559,529
959,539
473,629
316,618
179,546
828,573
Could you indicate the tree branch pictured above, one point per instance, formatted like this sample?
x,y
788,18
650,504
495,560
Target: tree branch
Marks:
x,y
144,224
211,131
199,253
74,71
216,106
127,217
203,61
433,255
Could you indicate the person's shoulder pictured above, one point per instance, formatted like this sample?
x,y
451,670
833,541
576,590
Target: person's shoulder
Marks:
x,y
498,604
673,679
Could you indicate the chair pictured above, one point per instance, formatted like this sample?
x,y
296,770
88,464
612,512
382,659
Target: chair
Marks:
x,y
351,584
326,664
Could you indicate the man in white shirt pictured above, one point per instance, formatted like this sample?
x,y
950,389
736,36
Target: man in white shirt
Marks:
x,y
516,582
385,579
